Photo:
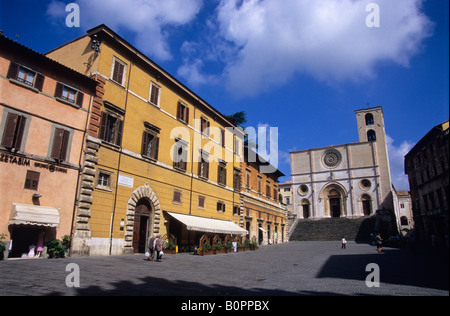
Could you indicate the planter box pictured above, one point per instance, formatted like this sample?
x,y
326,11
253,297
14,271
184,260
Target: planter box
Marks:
x,y
205,253
217,252
169,251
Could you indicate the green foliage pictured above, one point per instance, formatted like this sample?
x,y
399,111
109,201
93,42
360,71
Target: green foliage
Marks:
x,y
169,244
206,246
55,248
238,118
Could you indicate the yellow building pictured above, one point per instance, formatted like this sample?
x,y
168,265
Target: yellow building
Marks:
x,y
264,215
154,151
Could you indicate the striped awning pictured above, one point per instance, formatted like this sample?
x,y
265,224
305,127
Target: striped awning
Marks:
x,y
26,214
208,225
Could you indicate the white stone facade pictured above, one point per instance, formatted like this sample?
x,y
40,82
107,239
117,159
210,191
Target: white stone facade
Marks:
x,y
350,180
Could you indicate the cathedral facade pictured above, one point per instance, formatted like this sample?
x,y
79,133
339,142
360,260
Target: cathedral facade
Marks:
x,y
350,180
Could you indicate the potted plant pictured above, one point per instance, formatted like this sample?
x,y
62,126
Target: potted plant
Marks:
x,y
55,249
254,245
169,246
205,249
2,246
246,245
218,248
228,247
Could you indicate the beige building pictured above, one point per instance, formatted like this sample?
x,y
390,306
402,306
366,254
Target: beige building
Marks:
x,y
351,180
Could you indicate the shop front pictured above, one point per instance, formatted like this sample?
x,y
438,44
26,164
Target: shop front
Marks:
x,y
30,226
189,230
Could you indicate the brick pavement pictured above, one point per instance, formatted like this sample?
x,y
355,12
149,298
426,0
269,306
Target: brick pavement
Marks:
x,y
295,268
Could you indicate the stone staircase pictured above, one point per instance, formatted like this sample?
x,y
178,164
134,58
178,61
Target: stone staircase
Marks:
x,y
329,229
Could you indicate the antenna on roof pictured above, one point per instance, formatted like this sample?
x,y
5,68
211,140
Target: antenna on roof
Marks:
x,y
17,37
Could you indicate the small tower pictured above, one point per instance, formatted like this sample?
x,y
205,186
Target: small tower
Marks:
x,y
371,129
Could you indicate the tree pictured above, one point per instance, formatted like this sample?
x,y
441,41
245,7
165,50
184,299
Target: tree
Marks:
x,y
238,118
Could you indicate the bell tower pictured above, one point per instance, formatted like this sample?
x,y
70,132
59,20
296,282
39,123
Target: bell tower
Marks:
x,y
371,129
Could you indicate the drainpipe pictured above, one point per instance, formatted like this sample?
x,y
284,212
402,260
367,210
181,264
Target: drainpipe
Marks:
x,y
111,230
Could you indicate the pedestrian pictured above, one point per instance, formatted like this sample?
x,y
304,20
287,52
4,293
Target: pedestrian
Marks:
x,y
344,243
151,247
379,243
40,244
158,248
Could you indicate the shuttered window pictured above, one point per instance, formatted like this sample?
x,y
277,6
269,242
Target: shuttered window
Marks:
x,y
13,133
69,94
60,144
154,94
111,127
118,71
183,112
25,76
150,145
222,174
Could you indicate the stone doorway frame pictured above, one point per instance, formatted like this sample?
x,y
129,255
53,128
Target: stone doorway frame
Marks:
x,y
324,197
142,192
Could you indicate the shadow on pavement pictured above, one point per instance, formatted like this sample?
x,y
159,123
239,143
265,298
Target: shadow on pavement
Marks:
x,y
426,268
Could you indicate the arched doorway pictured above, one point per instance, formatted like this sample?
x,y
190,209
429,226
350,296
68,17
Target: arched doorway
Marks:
x,y
333,197
366,201
143,212
142,225
306,208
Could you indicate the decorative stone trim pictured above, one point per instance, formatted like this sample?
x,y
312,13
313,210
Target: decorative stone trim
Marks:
x,y
82,232
142,192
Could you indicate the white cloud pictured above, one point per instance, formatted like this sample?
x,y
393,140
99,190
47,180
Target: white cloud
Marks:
x,y
147,19
271,40
396,162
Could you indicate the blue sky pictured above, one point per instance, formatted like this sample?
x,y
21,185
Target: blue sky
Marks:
x,y
303,66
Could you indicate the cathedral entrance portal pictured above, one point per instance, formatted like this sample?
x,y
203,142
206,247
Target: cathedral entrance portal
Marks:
x,y
335,207
334,198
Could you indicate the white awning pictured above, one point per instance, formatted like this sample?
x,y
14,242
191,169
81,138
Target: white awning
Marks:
x,y
26,214
208,225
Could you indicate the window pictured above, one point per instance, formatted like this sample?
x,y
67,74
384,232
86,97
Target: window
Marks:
x,y
13,132
247,184
32,180
259,185
25,76
180,155
111,127
222,173
222,137
203,167
155,92
268,189
204,126
177,194
236,210
183,112
150,141
369,119
69,94
275,193
201,202
104,180
60,144
237,180
118,71
221,207
371,136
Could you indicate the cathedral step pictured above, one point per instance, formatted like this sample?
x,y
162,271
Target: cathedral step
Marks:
x,y
328,229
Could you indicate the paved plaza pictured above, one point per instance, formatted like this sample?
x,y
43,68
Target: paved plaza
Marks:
x,y
295,268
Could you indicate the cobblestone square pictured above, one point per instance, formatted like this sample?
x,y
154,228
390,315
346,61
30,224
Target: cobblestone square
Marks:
x,y
291,269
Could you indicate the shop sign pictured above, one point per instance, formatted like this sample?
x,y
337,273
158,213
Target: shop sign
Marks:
x,y
50,167
20,161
